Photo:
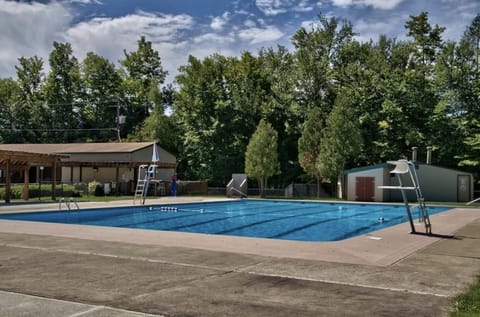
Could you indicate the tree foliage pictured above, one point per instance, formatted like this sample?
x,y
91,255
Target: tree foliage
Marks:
x,y
261,157
334,102
341,140
309,145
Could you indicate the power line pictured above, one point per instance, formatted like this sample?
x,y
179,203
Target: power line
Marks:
x,y
58,130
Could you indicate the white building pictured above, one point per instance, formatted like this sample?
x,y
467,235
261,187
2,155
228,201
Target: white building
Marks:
x,y
115,163
437,184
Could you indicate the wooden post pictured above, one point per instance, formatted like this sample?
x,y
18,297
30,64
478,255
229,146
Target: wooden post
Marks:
x,y
54,179
7,182
26,183
117,184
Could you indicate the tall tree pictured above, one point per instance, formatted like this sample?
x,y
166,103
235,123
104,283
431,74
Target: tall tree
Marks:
x,y
61,91
210,124
341,141
280,107
100,92
30,105
309,145
9,96
427,39
316,50
261,157
162,127
472,36
143,75
458,80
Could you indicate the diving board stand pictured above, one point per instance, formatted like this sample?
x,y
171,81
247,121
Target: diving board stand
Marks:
x,y
404,167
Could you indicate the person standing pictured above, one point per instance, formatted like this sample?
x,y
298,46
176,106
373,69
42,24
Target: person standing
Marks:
x,y
174,184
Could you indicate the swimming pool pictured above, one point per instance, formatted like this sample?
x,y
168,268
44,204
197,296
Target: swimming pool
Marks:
x,y
288,220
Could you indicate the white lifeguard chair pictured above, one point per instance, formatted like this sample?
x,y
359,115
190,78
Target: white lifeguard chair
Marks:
x,y
404,167
146,175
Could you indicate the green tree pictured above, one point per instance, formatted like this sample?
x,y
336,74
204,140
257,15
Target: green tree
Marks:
x,y
309,145
316,50
472,36
9,96
280,107
100,91
427,39
218,103
162,127
30,79
208,121
61,92
143,74
341,141
458,80
261,157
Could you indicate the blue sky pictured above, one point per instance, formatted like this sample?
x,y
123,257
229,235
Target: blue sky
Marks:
x,y
178,28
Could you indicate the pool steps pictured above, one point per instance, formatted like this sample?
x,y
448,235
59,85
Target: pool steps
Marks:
x,y
67,203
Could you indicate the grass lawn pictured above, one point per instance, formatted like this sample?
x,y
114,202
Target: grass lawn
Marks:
x,y
468,303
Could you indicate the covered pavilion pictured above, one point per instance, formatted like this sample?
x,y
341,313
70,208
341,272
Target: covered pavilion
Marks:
x,y
22,161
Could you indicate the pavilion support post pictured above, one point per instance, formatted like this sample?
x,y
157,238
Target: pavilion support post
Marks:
x,y
54,180
7,182
117,178
26,183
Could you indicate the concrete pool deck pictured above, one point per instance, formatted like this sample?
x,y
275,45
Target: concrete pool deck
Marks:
x,y
69,270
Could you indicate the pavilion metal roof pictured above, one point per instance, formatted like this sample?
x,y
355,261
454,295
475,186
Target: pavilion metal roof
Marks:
x,y
67,148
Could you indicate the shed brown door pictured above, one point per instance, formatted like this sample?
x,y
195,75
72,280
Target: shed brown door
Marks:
x,y
463,188
364,188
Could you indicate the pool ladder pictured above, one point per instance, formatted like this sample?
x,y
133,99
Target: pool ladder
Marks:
x,y
67,203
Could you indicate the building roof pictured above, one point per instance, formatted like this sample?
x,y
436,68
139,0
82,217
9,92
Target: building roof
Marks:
x,y
70,148
386,165
365,168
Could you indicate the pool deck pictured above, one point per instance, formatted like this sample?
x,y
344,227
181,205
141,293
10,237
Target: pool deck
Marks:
x,y
72,270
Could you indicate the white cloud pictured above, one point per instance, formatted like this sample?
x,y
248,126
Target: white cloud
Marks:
x,y
110,36
303,6
272,7
249,23
85,2
214,38
276,7
29,29
219,22
377,4
372,30
260,35
124,31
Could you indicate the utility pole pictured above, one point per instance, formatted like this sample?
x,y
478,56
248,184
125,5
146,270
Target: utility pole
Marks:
x,y
118,121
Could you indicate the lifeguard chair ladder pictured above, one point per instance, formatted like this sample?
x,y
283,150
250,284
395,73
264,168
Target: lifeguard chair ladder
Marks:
x,y
146,175
403,167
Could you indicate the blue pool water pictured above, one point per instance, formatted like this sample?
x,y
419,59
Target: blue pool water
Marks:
x,y
289,220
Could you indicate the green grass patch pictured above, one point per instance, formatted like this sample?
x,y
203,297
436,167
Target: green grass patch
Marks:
x,y
468,303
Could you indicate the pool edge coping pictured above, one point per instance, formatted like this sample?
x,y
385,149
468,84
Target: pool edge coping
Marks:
x,y
379,248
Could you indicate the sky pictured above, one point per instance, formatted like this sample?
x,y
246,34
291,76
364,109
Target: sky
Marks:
x,y
179,28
